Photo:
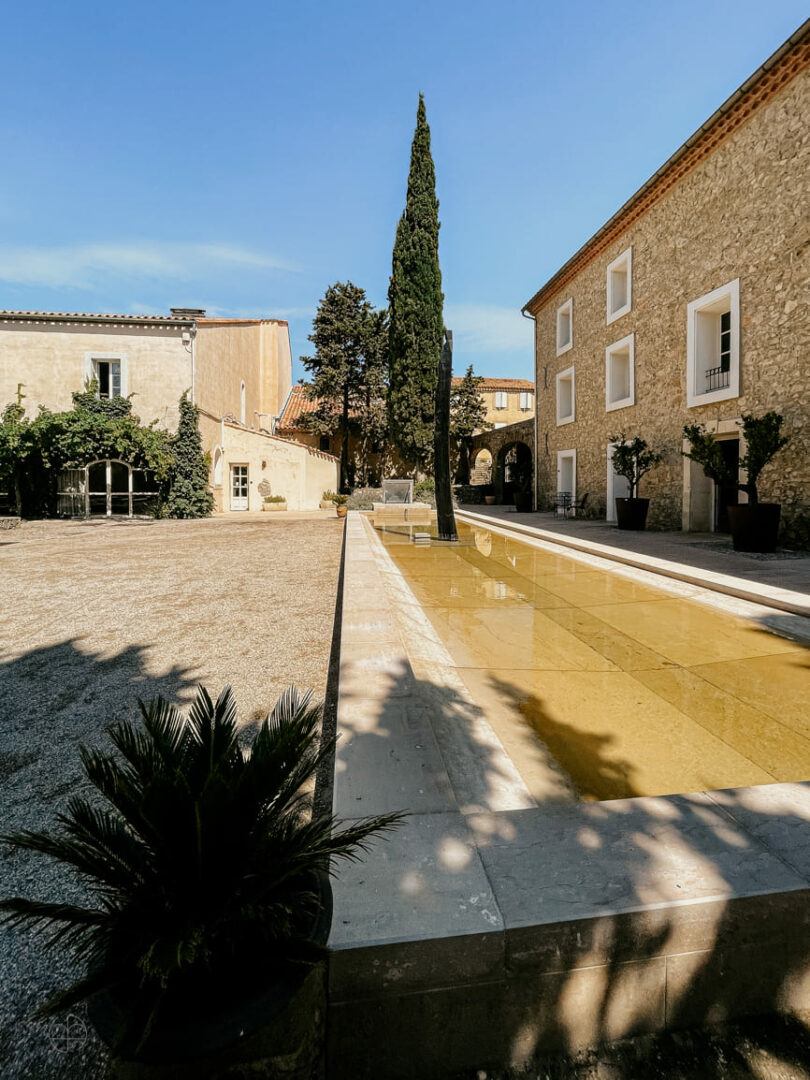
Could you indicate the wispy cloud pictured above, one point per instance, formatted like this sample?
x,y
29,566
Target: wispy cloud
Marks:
x,y
487,328
89,266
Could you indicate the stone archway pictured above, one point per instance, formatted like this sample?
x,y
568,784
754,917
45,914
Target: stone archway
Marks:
x,y
498,442
481,466
513,471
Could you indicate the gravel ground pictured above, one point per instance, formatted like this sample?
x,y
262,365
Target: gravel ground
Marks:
x,y
97,614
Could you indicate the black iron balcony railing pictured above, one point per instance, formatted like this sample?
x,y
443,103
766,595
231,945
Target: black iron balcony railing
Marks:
x,y
717,378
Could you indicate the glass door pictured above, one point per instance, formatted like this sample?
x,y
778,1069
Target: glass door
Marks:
x,y
239,487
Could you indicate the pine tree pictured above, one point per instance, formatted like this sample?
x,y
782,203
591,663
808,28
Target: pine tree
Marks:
x,y
190,496
415,299
349,363
468,414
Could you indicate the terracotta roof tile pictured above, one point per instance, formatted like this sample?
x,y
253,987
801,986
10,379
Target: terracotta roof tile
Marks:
x,y
298,404
501,384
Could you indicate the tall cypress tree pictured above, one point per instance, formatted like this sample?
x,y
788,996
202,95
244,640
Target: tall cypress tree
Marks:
x,y
190,496
415,300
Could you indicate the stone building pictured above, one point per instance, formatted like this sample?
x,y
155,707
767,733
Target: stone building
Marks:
x,y
237,371
507,401
690,305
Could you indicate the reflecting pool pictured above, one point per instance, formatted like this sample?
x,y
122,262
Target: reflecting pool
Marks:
x,y
609,684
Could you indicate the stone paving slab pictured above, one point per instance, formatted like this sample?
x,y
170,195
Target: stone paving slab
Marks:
x,y
486,939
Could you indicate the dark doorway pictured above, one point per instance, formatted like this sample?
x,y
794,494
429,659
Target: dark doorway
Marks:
x,y
727,494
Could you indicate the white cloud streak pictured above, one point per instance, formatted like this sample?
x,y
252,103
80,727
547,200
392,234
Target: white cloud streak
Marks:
x,y
89,266
487,328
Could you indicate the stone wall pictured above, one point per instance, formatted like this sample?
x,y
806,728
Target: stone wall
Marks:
x,y
744,212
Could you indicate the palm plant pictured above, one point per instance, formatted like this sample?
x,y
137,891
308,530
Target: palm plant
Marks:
x,y
201,864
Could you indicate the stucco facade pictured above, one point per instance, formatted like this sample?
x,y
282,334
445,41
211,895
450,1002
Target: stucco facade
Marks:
x,y
273,466
237,371
507,401
721,232
255,352
53,359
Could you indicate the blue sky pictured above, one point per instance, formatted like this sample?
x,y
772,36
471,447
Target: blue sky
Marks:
x,y
242,157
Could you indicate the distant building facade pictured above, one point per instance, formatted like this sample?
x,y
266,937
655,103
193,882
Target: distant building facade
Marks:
x,y
237,371
506,401
690,305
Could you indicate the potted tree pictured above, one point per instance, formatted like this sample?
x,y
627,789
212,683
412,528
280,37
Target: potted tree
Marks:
x,y
326,500
632,459
754,525
210,906
341,505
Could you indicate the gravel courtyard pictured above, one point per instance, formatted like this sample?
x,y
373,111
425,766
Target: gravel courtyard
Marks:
x,y
97,614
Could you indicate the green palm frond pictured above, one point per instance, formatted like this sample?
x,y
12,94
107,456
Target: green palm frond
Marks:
x,y
200,859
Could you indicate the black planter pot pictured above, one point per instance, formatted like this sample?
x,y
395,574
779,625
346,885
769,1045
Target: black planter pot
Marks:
x,y
754,526
632,513
276,1031
523,501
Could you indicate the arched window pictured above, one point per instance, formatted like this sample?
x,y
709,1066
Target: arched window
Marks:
x,y
242,402
218,466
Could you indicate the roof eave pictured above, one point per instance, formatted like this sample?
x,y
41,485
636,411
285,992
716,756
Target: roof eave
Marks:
x,y
747,86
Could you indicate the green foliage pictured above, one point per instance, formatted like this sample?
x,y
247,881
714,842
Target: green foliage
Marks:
x,y
34,451
764,439
415,298
199,859
340,500
468,414
633,459
275,498
348,369
364,498
189,495
328,496
424,489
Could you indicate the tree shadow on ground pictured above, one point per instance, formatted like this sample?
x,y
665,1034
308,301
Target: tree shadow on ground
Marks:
x,y
632,926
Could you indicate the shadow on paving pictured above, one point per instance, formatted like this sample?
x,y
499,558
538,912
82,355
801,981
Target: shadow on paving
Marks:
x,y
601,946
53,699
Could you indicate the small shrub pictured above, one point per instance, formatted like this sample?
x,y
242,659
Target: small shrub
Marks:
x,y
275,498
340,500
328,496
424,490
364,498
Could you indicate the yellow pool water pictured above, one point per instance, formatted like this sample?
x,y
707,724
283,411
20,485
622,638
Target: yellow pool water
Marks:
x,y
604,687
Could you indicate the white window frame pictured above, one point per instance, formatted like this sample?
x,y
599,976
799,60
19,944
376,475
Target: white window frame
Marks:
x,y
565,309
628,343
730,290
91,358
561,376
526,402
624,260
500,399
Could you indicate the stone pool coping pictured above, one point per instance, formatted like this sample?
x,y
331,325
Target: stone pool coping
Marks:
x,y
487,930
795,603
